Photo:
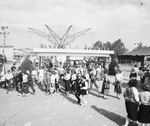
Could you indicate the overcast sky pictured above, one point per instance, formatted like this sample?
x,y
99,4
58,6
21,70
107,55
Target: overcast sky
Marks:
x,y
109,20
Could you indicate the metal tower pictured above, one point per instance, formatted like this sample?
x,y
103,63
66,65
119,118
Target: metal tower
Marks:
x,y
59,40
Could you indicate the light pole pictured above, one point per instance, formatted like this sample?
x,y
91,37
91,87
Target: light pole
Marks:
x,y
4,33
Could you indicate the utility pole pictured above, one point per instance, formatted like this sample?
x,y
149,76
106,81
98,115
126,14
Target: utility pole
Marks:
x,y
4,33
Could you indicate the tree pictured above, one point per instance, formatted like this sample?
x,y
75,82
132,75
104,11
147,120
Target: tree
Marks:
x,y
118,47
98,45
107,45
26,65
113,66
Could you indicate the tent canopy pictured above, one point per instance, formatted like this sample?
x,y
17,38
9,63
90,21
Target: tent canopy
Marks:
x,y
138,54
132,57
141,51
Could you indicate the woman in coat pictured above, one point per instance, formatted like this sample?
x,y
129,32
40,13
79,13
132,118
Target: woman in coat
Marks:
x,y
131,96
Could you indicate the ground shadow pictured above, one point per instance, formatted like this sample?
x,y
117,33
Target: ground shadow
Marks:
x,y
96,95
110,115
40,87
119,120
62,83
111,96
63,93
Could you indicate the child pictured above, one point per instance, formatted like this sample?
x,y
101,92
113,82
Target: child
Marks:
x,y
142,75
45,80
19,80
118,83
56,81
40,76
34,76
86,74
83,90
48,82
105,86
9,80
30,81
24,84
53,82
67,82
73,81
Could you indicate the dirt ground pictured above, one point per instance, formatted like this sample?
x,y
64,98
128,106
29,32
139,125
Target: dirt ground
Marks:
x,y
62,110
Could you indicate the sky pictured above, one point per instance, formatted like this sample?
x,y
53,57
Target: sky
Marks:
x,y
109,20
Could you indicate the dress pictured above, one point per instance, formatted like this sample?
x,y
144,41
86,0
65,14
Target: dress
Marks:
x,y
144,108
132,110
144,114
67,85
131,102
105,87
67,82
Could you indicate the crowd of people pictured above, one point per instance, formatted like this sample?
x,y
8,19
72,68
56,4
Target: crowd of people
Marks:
x,y
79,80
73,79
138,103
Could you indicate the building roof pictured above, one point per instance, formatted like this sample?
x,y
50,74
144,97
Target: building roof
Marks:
x,y
72,52
141,51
